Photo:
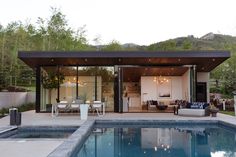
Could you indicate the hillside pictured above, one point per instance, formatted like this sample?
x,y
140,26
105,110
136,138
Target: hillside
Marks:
x,y
209,41
225,74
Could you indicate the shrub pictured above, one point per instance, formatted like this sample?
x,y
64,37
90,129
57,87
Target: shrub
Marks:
x,y
22,108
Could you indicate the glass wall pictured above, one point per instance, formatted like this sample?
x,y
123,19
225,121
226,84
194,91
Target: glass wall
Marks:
x,y
97,83
67,90
107,77
48,87
68,83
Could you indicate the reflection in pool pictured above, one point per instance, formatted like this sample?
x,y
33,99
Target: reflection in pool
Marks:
x,y
187,141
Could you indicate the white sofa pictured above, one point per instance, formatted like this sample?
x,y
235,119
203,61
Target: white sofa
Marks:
x,y
191,112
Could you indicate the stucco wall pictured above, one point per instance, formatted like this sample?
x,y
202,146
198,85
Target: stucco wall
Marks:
x,y
9,99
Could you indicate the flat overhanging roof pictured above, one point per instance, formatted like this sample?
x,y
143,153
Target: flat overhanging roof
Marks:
x,y
204,60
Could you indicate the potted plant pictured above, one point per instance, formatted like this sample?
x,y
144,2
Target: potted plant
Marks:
x,y
52,81
213,110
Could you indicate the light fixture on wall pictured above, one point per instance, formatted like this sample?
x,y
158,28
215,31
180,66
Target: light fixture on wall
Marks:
x,y
160,79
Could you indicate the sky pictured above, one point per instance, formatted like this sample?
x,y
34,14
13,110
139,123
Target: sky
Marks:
x,y
141,22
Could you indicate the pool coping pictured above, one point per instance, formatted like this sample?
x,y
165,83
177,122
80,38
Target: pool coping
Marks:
x,y
77,139
67,148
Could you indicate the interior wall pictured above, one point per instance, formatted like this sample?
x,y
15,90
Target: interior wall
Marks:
x,y
86,91
205,77
150,89
131,90
186,85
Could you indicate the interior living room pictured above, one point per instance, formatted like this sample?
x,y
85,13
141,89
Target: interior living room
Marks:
x,y
156,89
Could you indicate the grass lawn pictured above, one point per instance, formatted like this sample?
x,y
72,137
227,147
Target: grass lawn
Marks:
x,y
231,113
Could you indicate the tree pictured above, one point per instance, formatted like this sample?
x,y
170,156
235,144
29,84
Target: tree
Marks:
x,y
113,46
52,81
226,73
51,34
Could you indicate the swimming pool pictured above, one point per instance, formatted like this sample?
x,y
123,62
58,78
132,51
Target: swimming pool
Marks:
x,y
161,140
37,132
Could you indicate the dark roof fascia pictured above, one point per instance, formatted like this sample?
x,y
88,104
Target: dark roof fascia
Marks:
x,y
123,54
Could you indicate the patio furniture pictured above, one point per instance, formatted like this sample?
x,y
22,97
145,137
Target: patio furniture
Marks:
x,y
152,104
61,106
161,106
214,111
194,109
74,107
191,112
99,107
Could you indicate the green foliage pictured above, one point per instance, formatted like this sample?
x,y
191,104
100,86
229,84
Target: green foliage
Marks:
x,y
26,107
187,45
21,108
3,111
50,81
168,45
224,73
113,46
46,35
215,90
231,113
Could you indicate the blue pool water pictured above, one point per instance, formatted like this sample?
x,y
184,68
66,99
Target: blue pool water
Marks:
x,y
161,141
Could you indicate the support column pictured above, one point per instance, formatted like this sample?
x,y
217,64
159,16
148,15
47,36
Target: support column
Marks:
x,y
118,90
58,83
95,85
38,80
77,85
120,77
193,83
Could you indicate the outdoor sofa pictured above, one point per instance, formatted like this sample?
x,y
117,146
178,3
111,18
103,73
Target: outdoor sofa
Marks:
x,y
197,109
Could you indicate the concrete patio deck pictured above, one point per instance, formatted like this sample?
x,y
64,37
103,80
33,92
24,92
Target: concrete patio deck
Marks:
x,y
41,148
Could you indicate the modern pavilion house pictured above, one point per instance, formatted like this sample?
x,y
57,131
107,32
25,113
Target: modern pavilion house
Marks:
x,y
124,80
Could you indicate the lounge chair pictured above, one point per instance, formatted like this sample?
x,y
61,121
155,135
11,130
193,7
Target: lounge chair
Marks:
x,y
75,105
62,106
97,107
